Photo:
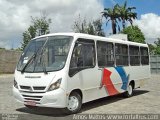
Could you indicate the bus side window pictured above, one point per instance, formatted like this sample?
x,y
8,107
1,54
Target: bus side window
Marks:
x,y
105,54
83,56
76,60
134,55
121,53
144,56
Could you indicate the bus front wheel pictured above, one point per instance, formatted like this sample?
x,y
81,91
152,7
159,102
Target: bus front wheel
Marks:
x,y
74,103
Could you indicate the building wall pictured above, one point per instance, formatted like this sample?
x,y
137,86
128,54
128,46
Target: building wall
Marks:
x,y
8,60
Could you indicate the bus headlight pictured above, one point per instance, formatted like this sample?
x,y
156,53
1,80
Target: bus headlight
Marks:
x,y
15,84
55,85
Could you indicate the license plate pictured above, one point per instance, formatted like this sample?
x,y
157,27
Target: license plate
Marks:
x,y
31,103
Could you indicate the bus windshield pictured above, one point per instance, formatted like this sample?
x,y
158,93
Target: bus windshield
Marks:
x,y
45,54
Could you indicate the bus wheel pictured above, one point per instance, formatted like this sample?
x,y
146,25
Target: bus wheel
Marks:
x,y
129,91
74,103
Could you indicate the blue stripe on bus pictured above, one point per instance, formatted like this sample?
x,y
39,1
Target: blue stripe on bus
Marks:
x,y
123,76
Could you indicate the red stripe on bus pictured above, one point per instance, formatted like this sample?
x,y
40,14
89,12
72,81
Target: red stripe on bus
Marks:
x,y
106,80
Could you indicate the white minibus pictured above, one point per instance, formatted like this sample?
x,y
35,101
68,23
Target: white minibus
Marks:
x,y
65,70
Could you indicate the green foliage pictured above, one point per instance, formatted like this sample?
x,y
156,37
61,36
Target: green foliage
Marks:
x,y
39,26
97,25
151,49
157,47
112,14
92,28
157,43
157,50
126,14
28,35
119,13
2,48
134,34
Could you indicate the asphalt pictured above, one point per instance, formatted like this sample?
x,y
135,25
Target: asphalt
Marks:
x,y
145,100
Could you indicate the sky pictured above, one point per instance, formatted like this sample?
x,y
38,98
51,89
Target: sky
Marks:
x,y
15,16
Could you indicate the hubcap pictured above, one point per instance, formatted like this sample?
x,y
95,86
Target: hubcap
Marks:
x,y
73,103
130,90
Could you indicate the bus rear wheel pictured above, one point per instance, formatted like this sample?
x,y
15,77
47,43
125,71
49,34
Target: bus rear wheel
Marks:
x,y
129,91
74,103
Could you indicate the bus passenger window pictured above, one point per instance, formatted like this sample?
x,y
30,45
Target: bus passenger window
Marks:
x,y
121,52
134,55
144,56
105,54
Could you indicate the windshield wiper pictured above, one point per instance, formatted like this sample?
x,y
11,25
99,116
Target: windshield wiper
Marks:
x,y
42,58
33,56
44,66
42,61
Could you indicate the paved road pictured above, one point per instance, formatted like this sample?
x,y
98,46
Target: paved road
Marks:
x,y
145,100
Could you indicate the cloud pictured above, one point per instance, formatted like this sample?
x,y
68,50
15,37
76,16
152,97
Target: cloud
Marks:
x,y
150,25
15,16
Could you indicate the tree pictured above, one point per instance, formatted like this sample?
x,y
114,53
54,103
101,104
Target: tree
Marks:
x,y
80,26
151,49
2,48
40,26
28,35
112,14
93,28
157,50
98,27
157,47
126,14
157,43
134,34
119,13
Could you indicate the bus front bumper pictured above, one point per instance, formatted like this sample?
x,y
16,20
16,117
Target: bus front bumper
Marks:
x,y
55,99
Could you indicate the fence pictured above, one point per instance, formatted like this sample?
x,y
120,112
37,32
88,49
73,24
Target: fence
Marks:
x,y
155,64
8,60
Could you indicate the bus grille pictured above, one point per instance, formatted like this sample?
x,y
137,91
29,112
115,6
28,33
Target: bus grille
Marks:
x,y
39,88
32,98
32,93
34,87
25,87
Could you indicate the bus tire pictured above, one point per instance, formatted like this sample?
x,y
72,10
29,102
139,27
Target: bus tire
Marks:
x,y
129,91
74,103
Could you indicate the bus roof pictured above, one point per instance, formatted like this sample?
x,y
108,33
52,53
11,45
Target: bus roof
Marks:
x,y
87,36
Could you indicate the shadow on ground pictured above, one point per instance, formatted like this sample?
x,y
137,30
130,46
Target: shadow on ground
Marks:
x,y
109,100
87,106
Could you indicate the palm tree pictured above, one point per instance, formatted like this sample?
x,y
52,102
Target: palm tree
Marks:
x,y
126,14
112,14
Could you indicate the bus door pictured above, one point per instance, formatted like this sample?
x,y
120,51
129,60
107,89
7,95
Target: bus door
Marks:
x,y
83,68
